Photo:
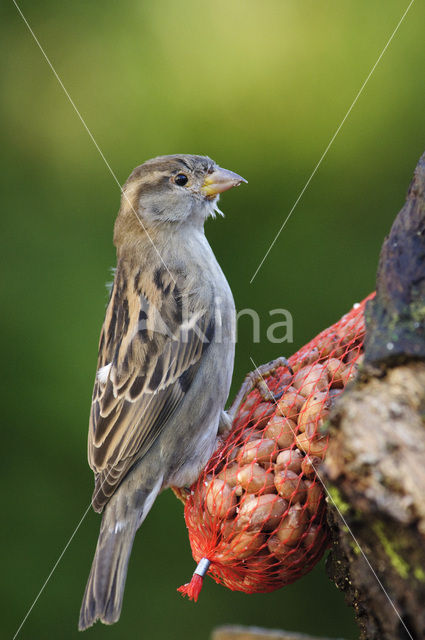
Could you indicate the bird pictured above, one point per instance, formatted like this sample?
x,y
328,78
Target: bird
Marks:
x,y
165,363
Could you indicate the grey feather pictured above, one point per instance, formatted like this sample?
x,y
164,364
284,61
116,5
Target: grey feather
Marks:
x,y
104,592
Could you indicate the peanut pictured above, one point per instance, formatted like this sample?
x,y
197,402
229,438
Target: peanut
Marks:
x,y
314,533
228,528
307,358
289,459
220,499
262,413
281,430
309,465
292,562
262,512
257,566
242,545
314,496
229,474
278,548
339,373
353,327
332,345
315,446
262,450
311,378
290,404
254,478
293,525
290,486
252,434
315,408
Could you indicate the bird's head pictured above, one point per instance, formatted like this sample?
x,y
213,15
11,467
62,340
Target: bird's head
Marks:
x,y
174,189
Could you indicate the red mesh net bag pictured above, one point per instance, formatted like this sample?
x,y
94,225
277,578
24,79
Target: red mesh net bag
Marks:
x,y
256,515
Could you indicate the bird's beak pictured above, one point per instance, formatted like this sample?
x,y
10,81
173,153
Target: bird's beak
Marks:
x,y
220,180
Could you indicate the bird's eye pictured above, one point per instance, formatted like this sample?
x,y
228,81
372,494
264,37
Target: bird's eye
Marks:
x,y
181,179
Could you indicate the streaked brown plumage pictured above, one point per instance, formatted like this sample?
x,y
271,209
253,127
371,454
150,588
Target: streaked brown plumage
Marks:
x,y
165,360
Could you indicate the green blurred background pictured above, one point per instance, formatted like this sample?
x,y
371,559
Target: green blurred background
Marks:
x,y
260,87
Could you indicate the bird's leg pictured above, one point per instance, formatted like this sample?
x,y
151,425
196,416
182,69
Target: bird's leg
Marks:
x,y
252,380
224,425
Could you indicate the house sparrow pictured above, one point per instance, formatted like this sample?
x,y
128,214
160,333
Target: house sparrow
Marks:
x,y
165,360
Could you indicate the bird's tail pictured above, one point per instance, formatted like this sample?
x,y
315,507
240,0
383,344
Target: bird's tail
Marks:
x,y
105,587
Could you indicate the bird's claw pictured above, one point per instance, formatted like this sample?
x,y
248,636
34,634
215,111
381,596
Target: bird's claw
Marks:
x,y
256,379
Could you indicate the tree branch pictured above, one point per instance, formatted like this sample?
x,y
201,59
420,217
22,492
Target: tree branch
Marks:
x,y
375,461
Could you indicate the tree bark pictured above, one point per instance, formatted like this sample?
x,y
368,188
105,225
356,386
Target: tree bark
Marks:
x,y
375,461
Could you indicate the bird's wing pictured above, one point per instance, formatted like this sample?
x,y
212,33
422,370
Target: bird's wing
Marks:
x,y
149,353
